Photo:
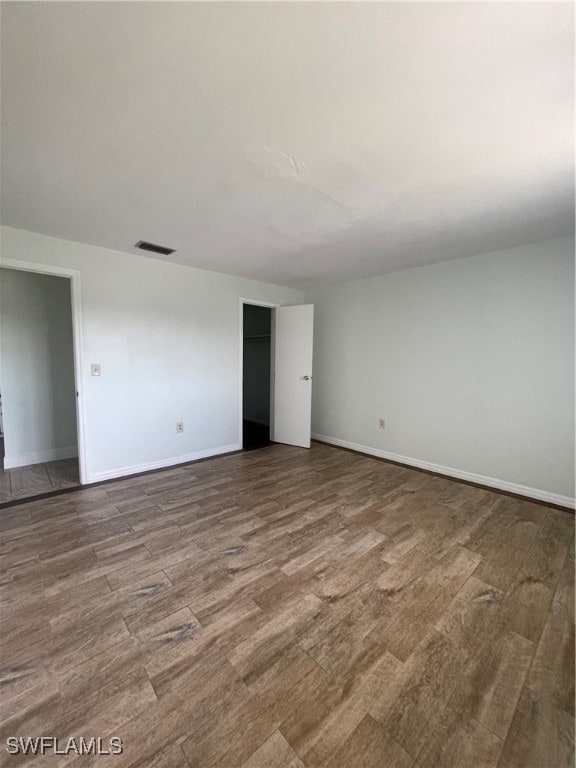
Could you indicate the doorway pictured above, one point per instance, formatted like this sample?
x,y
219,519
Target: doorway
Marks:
x,y
276,374
256,375
38,384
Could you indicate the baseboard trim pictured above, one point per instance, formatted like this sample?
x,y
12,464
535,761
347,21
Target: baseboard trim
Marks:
x,y
471,478
137,469
13,462
222,452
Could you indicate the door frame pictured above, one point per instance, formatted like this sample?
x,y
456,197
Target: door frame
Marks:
x,y
270,305
77,342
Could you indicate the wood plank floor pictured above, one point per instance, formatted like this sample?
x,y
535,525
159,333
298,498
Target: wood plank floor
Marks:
x,y
35,479
286,607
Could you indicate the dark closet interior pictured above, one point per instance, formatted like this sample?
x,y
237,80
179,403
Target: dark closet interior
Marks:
x,y
256,381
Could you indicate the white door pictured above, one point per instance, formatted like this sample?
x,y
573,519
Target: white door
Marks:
x,y
293,375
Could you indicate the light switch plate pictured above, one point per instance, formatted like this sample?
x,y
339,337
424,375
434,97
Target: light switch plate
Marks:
x,y
95,369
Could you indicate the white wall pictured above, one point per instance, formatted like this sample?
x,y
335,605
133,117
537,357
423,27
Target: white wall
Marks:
x,y
471,364
37,375
168,340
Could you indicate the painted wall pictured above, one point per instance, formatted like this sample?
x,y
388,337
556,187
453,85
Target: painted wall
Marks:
x,y
37,371
471,364
257,360
168,341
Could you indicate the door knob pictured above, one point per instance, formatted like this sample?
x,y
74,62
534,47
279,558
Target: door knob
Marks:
x,y
306,378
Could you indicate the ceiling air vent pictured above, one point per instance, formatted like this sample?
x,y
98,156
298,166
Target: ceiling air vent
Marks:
x,y
144,246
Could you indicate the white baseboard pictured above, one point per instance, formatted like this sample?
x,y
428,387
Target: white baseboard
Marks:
x,y
457,474
111,474
41,457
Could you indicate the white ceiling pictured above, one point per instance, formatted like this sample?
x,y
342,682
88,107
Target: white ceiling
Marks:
x,y
290,142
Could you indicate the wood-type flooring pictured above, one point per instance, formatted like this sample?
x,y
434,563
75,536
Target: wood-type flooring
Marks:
x,y
34,479
285,608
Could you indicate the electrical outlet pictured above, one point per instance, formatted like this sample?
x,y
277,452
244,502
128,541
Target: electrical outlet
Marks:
x,y
95,369
179,426
381,423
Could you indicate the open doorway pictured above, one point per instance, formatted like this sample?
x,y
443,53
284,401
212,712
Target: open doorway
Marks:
x,y
276,364
37,382
256,380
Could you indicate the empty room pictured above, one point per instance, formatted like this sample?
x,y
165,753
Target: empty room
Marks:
x,y
287,384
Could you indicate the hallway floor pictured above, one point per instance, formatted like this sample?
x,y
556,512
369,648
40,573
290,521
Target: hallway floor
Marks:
x,y
34,479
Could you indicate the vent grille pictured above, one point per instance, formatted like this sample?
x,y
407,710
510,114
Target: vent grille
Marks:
x,y
145,246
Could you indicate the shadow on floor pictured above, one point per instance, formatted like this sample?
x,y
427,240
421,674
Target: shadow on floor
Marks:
x,y
255,435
